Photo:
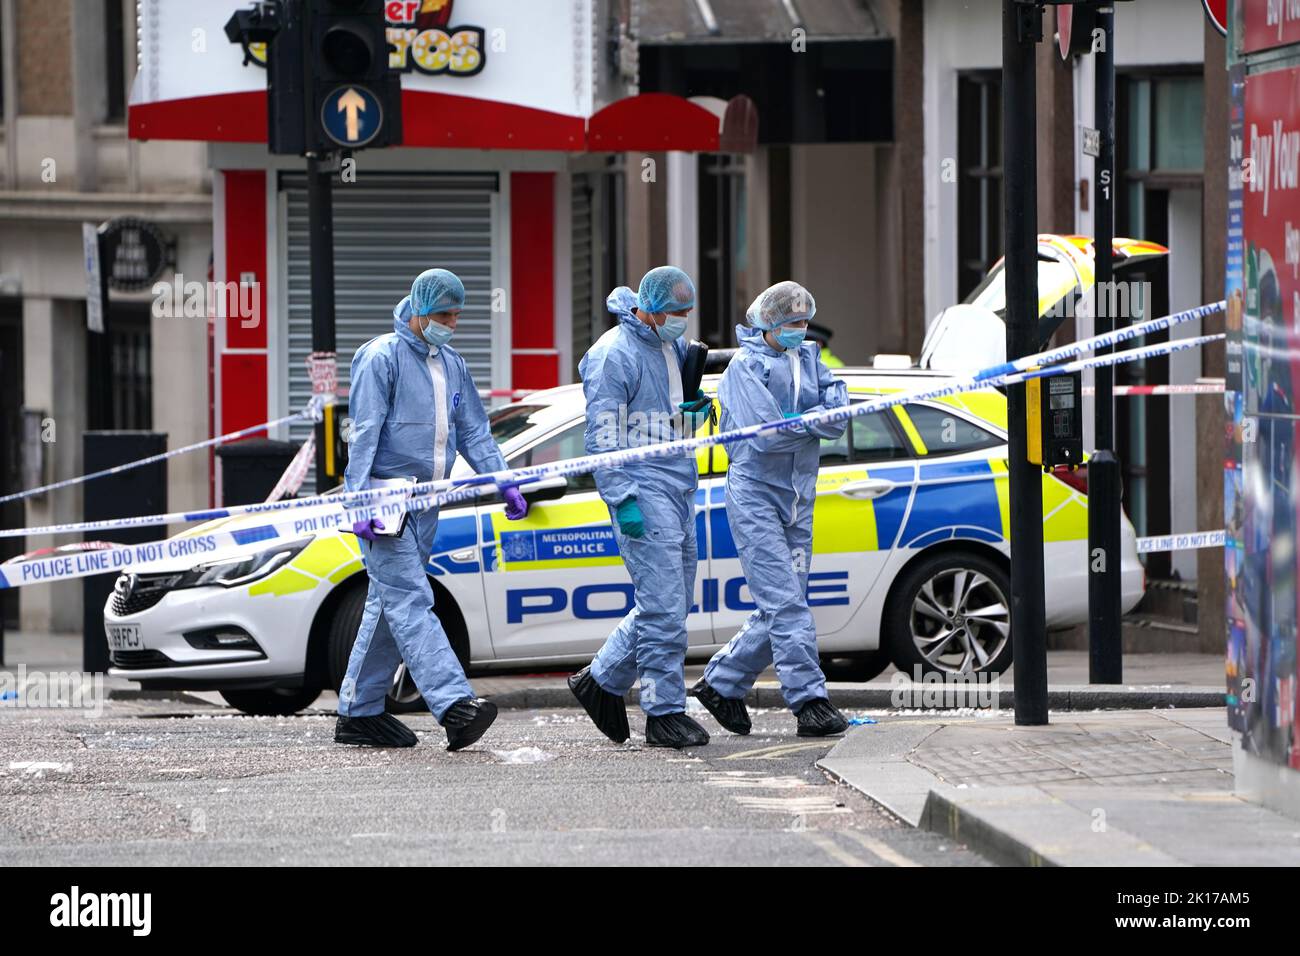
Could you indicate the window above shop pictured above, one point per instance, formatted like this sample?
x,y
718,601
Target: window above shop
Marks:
x,y
818,72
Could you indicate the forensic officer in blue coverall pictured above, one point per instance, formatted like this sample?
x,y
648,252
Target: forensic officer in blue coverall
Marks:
x,y
632,380
414,406
771,490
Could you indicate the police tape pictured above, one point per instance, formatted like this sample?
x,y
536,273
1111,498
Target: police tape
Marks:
x,y
311,411
1181,542
329,512
1198,388
195,545
448,491
1104,340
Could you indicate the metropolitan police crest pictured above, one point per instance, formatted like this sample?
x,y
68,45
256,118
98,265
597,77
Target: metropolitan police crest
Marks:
x,y
518,546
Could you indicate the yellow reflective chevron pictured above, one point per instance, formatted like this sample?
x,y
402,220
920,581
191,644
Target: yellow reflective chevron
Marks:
x,y
989,406
1002,485
330,558
843,524
285,581
1065,512
914,436
323,556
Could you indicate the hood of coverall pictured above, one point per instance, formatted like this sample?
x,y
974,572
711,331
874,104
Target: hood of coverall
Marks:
x,y
621,302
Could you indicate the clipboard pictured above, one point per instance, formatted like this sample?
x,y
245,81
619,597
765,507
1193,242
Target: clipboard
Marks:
x,y
394,529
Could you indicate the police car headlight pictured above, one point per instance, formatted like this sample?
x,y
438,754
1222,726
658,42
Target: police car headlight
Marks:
x,y
236,571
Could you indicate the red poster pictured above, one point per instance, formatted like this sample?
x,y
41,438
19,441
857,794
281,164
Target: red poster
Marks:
x,y
1270,23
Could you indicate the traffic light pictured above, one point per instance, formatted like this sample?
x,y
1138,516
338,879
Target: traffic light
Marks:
x,y
328,82
355,99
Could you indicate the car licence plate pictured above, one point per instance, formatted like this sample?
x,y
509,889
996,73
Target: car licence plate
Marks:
x,y
124,637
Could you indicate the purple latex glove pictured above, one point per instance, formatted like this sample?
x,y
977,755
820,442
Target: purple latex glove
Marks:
x,y
516,504
366,528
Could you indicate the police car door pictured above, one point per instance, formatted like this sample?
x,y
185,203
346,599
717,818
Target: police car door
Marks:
x,y
863,489
554,582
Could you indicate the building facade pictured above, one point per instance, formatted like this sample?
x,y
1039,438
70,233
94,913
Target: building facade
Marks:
x,y
65,75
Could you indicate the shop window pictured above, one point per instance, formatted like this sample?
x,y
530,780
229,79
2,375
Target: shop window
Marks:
x,y
723,283
114,62
1159,143
119,378
979,177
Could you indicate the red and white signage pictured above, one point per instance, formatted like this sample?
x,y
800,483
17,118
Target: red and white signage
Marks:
x,y
1271,201
1270,23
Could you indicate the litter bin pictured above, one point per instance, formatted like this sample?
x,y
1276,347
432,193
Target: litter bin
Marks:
x,y
250,469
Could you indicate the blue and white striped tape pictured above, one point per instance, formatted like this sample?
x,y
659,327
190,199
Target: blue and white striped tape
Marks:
x,y
463,489
312,412
338,509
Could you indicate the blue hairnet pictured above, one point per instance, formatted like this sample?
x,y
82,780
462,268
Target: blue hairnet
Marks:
x,y
436,290
784,302
666,289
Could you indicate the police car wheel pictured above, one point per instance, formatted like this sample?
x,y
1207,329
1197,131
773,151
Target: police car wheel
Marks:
x,y
273,702
403,696
951,613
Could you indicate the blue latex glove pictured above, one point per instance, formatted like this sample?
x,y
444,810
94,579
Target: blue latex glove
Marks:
x,y
695,412
630,520
366,528
792,414
516,504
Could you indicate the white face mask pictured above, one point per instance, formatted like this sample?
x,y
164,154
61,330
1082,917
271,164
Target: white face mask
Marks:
x,y
435,333
672,329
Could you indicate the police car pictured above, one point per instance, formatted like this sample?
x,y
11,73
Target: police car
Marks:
x,y
910,564
910,554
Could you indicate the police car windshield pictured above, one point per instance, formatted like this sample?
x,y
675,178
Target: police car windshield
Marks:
x,y
511,420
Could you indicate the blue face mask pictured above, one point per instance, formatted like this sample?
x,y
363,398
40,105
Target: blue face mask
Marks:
x,y
435,333
790,338
673,327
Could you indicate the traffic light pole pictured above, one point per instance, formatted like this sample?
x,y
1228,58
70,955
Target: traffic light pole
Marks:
x,y
1021,31
1105,635
320,228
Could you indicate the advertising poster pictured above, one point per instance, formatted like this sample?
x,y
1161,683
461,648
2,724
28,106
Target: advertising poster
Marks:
x,y
1270,365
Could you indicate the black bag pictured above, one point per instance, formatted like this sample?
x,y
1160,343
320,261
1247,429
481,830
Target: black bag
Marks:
x,y
697,354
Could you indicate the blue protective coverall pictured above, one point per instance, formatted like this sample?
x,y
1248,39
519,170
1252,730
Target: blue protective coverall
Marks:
x,y
771,490
413,409
633,385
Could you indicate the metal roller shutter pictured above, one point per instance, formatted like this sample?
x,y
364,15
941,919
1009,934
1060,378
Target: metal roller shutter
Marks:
x,y
387,230
581,228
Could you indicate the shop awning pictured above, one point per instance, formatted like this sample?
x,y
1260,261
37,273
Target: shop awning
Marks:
x,y
558,85
649,122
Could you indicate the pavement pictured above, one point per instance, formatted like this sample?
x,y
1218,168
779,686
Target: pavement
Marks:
x,y
1107,788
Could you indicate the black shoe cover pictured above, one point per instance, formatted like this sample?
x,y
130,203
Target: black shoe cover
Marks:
x,y
818,718
467,720
383,730
728,711
674,730
607,711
